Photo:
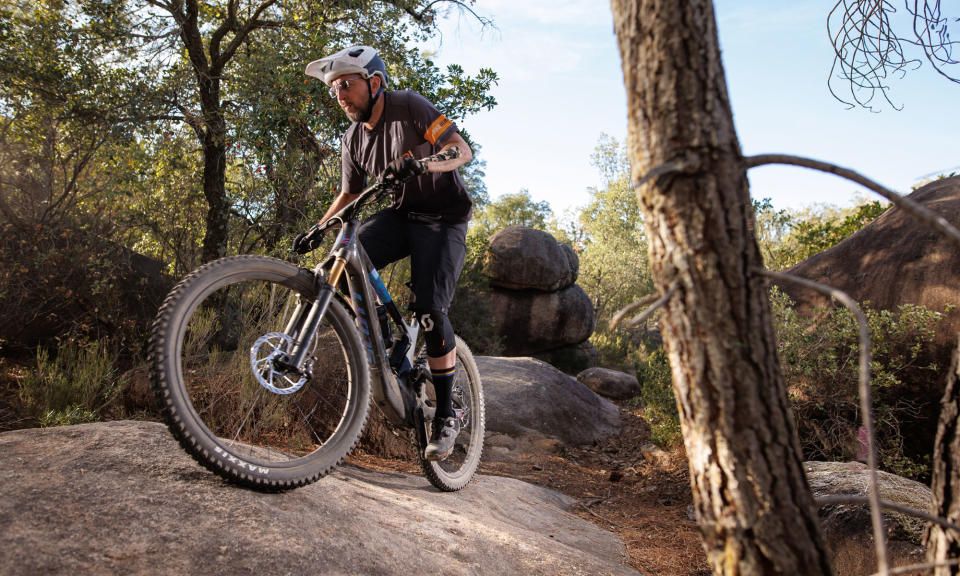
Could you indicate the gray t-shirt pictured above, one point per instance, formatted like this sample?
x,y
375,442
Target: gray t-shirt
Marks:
x,y
409,123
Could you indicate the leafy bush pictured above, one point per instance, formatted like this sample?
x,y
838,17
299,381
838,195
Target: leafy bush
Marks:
x,y
79,384
819,356
820,361
659,402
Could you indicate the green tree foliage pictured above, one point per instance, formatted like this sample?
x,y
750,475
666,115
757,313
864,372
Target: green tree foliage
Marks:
x,y
772,229
231,73
789,237
518,209
610,238
67,123
107,110
816,235
62,113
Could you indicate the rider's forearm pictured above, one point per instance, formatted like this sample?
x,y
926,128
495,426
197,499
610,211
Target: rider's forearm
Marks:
x,y
338,203
453,155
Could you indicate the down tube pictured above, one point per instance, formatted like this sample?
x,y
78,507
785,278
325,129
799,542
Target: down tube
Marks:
x,y
386,395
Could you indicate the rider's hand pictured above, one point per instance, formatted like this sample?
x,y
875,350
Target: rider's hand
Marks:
x,y
402,168
307,241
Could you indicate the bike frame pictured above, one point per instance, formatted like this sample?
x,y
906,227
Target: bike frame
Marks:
x,y
350,264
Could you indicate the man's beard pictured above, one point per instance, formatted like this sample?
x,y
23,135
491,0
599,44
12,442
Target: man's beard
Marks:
x,y
356,115
360,114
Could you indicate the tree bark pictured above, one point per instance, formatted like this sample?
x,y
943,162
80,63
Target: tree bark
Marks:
x,y
943,544
753,502
214,190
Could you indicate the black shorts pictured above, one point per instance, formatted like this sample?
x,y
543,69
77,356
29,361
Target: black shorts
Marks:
x,y
437,250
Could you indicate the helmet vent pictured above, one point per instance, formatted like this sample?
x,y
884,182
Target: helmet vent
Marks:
x,y
357,52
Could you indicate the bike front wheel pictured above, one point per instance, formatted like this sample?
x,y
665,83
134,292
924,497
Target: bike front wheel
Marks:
x,y
226,398
454,472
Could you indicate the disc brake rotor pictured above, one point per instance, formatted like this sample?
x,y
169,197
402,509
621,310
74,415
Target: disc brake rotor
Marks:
x,y
264,351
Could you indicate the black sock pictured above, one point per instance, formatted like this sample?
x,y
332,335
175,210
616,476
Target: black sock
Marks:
x,y
443,385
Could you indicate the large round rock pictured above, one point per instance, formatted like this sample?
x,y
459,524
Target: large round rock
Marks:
x,y
521,258
532,322
525,396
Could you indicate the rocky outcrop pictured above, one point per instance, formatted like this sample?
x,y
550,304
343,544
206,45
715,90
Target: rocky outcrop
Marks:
x,y
610,383
847,527
895,260
123,498
533,295
532,407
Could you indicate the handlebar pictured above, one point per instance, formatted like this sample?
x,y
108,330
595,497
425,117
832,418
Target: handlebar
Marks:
x,y
372,193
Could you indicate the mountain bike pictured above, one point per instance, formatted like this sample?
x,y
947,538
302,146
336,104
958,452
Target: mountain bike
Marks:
x,y
265,369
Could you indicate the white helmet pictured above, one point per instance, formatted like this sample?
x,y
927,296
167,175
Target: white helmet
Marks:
x,y
361,60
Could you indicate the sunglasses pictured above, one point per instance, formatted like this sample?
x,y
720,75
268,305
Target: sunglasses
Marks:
x,y
338,87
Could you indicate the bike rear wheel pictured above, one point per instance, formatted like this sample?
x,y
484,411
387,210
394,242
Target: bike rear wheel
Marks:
x,y
454,472
228,403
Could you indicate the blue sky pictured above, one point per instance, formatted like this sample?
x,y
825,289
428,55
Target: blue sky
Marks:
x,y
561,87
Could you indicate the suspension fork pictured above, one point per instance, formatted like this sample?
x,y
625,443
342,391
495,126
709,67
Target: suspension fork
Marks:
x,y
303,328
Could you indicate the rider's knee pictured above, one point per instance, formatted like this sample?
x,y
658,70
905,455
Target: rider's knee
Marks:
x,y
437,332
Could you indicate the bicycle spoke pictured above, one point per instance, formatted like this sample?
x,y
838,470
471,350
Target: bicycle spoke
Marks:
x,y
247,416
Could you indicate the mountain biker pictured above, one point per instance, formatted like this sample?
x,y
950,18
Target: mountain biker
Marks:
x,y
401,136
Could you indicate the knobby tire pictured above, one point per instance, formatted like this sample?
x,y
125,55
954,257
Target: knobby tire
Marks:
x,y
455,472
202,370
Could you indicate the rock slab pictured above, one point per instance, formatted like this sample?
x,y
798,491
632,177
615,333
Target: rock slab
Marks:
x,y
123,498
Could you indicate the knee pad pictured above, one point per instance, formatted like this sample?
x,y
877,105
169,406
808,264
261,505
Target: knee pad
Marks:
x,y
437,332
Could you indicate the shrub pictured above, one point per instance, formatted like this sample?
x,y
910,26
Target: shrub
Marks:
x,y
69,282
659,402
80,383
819,355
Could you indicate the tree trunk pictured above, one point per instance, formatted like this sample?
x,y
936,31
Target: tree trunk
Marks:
x,y
214,176
753,502
944,544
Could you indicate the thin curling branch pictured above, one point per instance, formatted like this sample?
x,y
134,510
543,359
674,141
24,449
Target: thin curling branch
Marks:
x,y
866,405
916,210
910,568
638,320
